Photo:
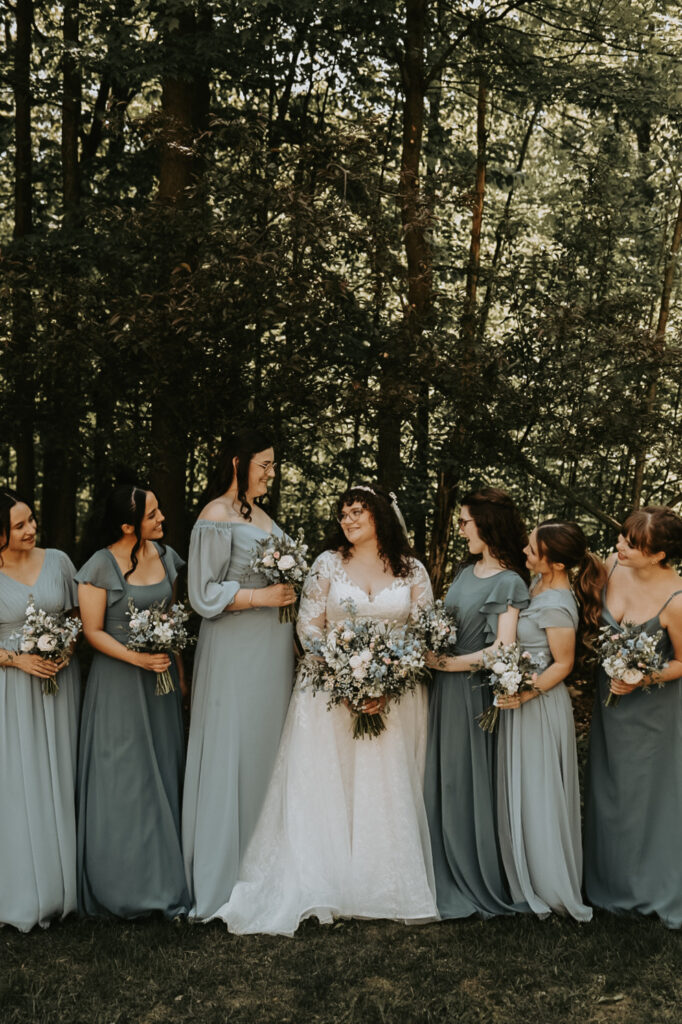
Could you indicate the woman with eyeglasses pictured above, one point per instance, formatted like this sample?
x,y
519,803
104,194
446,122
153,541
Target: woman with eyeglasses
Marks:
x,y
243,672
38,732
343,831
460,785
633,802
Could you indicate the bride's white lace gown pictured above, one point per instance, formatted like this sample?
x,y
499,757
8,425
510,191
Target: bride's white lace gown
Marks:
x,y
343,830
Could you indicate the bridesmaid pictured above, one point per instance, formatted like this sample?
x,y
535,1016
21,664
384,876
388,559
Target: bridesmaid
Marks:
x,y
38,733
131,746
538,794
633,821
486,595
243,673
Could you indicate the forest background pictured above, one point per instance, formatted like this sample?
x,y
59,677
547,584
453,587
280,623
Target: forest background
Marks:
x,y
426,242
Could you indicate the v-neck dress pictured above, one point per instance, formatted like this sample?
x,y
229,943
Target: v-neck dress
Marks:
x,y
633,804
460,785
38,742
538,796
130,764
243,675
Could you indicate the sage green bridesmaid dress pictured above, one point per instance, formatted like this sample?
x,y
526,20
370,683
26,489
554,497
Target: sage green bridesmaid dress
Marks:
x,y
130,764
38,743
243,677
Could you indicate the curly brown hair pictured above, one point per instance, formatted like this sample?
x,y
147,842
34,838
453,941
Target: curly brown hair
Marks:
x,y
394,547
500,526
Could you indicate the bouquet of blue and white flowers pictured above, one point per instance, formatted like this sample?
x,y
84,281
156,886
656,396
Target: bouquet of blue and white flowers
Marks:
x,y
630,655
158,629
50,635
511,671
362,660
282,560
437,626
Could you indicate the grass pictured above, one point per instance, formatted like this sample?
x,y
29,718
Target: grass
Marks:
x,y
618,970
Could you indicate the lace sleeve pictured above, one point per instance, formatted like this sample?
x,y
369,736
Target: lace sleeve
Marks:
x,y
421,594
312,613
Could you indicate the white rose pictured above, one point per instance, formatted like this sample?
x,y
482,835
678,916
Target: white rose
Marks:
x,y
632,676
26,645
46,643
287,562
268,561
499,668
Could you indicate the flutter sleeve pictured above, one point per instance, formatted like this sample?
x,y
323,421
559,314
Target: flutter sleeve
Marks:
x,y
173,563
507,589
421,593
69,585
552,613
100,571
209,560
312,613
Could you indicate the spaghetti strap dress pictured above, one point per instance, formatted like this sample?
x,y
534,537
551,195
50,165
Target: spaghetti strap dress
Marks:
x,y
38,744
633,805
130,763
461,768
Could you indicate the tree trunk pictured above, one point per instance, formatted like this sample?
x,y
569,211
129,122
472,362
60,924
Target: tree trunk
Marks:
x,y
658,351
71,112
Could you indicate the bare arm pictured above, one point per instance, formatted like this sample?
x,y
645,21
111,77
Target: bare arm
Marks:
x,y
93,605
506,634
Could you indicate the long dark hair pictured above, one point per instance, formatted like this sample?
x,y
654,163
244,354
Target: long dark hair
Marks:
x,y
242,446
126,504
500,526
8,499
394,547
565,542
653,529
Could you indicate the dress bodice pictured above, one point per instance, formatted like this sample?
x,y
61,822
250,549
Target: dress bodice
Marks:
x,y
651,626
479,601
53,591
102,570
548,609
219,557
328,590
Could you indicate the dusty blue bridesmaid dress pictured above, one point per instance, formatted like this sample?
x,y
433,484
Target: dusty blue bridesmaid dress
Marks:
x,y
460,781
243,677
130,763
38,741
633,803
538,792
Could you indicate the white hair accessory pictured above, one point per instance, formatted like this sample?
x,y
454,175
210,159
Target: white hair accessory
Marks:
x,y
362,487
398,513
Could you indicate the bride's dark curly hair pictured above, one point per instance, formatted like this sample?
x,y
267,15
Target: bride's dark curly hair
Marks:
x,y
500,526
394,547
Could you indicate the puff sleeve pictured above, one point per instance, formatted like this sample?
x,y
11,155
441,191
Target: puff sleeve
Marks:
x,y
209,560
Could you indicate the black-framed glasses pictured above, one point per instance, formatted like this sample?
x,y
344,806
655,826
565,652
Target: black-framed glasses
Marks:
x,y
463,522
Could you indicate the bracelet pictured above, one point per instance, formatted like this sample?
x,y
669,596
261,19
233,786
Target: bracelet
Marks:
x,y
250,604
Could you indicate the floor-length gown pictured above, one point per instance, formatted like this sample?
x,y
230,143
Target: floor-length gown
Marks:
x,y
460,783
130,762
38,744
538,792
343,830
633,802
243,675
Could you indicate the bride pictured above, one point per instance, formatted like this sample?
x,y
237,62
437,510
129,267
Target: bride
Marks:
x,y
343,830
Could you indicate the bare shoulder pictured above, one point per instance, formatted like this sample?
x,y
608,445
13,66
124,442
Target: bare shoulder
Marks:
x,y
218,511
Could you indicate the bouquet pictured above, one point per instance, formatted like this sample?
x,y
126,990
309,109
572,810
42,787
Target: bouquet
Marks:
x,y
156,630
364,659
282,560
437,627
49,635
629,655
511,671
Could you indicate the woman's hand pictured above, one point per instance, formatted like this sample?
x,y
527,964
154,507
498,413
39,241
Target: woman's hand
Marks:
x,y
372,706
508,701
278,595
622,688
34,665
152,662
440,662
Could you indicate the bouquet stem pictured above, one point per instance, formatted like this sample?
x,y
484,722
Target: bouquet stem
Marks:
x,y
487,720
611,699
50,686
367,725
287,613
164,683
